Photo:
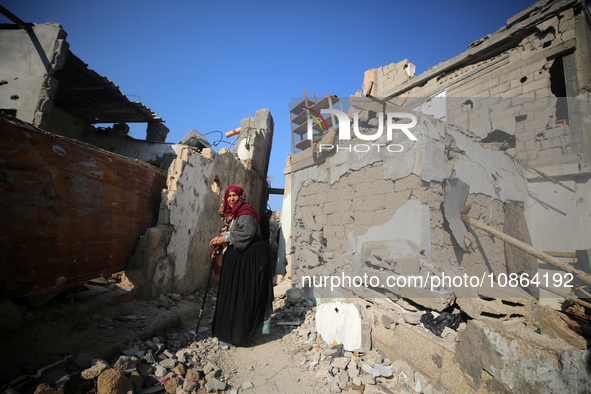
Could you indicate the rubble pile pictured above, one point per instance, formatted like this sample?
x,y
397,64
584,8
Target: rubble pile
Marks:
x,y
336,370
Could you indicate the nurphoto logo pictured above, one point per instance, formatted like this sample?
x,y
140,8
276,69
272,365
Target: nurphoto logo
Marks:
x,y
392,125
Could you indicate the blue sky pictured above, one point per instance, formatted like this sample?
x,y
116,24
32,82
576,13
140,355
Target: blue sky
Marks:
x,y
207,65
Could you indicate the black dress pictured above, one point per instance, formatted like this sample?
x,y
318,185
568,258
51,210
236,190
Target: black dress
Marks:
x,y
244,297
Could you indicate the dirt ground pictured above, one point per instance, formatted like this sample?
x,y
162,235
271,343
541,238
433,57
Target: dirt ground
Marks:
x,y
104,324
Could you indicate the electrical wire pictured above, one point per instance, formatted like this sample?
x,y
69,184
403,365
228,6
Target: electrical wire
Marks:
x,y
215,143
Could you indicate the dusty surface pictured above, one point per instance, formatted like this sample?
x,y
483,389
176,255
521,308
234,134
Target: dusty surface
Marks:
x,y
81,342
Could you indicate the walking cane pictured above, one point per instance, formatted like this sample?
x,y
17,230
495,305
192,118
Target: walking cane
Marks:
x,y
196,337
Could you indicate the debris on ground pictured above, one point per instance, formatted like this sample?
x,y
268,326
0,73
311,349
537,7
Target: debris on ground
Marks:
x,y
173,362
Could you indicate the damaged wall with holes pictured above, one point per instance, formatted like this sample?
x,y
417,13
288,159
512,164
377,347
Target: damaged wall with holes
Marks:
x,y
174,255
391,215
504,88
491,134
43,83
524,89
26,69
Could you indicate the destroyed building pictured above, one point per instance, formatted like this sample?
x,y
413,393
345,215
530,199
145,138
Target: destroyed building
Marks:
x,y
501,142
82,193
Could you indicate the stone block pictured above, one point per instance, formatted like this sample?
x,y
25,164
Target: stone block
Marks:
x,y
518,360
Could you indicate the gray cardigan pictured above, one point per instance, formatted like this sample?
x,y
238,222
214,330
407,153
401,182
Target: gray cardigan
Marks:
x,y
241,231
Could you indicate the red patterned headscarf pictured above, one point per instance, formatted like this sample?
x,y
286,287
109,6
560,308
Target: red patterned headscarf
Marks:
x,y
240,208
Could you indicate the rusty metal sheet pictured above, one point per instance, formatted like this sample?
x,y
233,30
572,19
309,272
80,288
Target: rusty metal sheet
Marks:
x,y
68,212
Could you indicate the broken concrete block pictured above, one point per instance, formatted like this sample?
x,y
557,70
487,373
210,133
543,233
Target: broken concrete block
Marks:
x,y
113,381
193,374
412,318
97,368
549,322
190,386
519,359
44,388
214,384
382,370
160,371
180,369
475,302
209,367
168,363
408,266
126,363
340,362
172,384
344,323
247,385
342,379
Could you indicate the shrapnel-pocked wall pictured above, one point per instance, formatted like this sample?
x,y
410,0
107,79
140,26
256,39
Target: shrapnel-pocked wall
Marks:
x,y
517,99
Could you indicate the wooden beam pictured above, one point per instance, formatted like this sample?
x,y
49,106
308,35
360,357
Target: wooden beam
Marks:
x,y
273,190
26,26
527,248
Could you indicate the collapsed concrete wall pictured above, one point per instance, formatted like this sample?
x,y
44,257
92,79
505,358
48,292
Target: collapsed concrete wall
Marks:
x,y
174,256
361,213
525,89
517,98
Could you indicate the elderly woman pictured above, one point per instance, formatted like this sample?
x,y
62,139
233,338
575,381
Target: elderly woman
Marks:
x,y
244,298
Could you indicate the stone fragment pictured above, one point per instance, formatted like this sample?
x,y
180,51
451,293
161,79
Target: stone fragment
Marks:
x,y
352,364
171,384
113,381
368,379
150,344
168,363
210,367
381,370
413,318
365,367
160,371
168,354
95,370
353,373
214,384
342,379
149,358
193,374
340,362
126,363
374,357
44,388
190,386
247,385
180,369
323,372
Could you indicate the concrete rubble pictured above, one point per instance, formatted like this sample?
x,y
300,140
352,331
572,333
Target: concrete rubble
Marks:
x,y
174,363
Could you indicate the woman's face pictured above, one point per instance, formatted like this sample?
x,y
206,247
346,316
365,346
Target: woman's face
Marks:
x,y
232,199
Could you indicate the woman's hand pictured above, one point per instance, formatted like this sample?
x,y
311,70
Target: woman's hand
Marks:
x,y
218,241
